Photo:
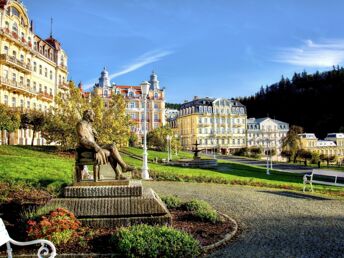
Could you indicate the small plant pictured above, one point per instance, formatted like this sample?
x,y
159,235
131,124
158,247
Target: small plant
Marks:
x,y
202,210
154,241
59,226
172,201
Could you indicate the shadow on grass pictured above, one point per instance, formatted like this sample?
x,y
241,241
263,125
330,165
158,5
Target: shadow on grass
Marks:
x,y
296,195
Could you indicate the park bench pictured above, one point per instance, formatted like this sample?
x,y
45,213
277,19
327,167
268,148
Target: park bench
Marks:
x,y
43,251
324,177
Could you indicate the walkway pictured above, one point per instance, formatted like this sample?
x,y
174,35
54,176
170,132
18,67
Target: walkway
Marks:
x,y
284,167
274,223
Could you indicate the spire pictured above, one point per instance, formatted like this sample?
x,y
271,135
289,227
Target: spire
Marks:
x,y
51,27
154,83
104,80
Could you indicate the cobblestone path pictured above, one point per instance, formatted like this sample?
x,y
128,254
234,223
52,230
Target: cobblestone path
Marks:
x,y
273,223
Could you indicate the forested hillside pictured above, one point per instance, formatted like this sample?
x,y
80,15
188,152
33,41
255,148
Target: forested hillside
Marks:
x,y
313,101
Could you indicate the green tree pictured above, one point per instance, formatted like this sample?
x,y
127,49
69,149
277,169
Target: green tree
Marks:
x,y
9,120
328,158
305,155
35,120
292,142
157,138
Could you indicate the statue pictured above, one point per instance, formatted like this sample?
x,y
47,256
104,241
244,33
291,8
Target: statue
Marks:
x,y
87,139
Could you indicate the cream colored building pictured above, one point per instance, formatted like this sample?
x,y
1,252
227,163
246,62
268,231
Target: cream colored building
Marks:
x,y
332,145
216,124
133,95
267,133
32,70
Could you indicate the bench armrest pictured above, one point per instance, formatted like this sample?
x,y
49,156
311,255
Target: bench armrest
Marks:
x,y
306,176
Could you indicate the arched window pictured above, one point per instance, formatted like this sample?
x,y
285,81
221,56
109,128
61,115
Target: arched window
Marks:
x,y
106,93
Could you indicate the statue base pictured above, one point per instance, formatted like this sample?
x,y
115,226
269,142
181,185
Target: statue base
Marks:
x,y
114,205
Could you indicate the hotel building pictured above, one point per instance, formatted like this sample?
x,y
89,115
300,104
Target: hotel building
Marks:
x,y
133,96
216,124
32,70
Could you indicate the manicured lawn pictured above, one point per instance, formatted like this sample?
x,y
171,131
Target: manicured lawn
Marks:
x,y
50,170
159,154
34,167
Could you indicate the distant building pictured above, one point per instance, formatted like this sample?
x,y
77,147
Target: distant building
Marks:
x,y
133,95
214,123
171,113
266,133
333,144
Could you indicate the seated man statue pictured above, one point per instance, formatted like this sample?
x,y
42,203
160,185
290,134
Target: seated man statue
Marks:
x,y
87,139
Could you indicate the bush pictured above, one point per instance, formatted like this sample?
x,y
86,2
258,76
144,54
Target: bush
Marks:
x,y
60,226
172,201
202,210
153,241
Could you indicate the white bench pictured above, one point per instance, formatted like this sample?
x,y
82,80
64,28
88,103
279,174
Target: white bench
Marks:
x,y
333,177
43,251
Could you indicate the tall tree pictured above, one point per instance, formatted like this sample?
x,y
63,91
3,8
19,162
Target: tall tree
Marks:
x,y
35,120
291,142
9,120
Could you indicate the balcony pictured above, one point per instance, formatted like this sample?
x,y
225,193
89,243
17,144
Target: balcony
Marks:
x,y
13,36
16,86
63,86
63,68
15,63
45,96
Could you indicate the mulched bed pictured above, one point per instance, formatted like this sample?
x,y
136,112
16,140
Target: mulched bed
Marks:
x,y
14,203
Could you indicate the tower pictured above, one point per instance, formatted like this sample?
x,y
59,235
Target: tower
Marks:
x,y
104,80
154,83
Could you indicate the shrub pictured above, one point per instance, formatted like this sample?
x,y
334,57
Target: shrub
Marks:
x,y
154,241
172,201
59,226
202,210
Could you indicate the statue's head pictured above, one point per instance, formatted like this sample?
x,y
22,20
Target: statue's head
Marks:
x,y
88,115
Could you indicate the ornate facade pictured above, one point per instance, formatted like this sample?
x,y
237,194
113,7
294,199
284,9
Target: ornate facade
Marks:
x,y
32,70
266,133
214,123
133,95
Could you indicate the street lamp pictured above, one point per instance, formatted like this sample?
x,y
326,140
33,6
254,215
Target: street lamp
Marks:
x,y
168,138
145,88
176,136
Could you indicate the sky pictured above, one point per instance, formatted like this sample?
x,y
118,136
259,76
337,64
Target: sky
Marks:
x,y
214,48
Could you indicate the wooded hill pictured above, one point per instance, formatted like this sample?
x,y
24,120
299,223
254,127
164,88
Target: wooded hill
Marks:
x,y
313,101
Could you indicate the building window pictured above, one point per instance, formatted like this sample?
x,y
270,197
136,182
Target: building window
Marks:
x,y
35,86
6,50
46,72
132,105
40,88
106,93
14,77
14,102
40,69
156,95
21,80
28,104
15,27
6,100
28,83
51,92
156,106
34,66
51,75
22,103
45,89
156,118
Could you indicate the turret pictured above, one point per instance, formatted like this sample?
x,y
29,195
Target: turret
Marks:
x,y
154,83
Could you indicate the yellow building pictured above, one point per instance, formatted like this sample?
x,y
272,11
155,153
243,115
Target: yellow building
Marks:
x,y
32,70
214,123
133,95
332,145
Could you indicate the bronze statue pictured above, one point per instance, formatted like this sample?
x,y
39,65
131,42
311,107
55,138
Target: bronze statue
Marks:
x,y
87,139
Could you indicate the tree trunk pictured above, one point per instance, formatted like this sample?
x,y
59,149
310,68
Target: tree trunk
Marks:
x,y
8,138
33,137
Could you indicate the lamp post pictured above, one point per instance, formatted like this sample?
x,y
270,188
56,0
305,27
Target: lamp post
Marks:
x,y
176,136
168,147
145,88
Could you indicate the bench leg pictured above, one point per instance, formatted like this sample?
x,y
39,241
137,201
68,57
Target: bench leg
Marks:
x,y
9,250
78,175
311,187
304,186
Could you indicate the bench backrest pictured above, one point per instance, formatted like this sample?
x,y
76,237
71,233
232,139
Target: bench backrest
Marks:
x,y
4,237
324,172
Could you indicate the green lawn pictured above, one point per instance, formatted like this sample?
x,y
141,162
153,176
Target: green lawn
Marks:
x,y
50,170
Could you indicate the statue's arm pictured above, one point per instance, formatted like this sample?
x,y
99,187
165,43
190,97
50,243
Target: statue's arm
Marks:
x,y
84,140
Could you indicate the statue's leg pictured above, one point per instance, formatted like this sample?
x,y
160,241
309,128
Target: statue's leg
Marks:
x,y
115,155
117,170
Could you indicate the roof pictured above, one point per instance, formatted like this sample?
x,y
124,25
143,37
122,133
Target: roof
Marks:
x,y
324,143
259,120
335,135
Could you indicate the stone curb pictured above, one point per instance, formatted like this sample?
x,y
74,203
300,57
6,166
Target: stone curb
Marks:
x,y
227,237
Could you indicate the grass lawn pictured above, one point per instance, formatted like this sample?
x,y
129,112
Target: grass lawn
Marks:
x,y
50,170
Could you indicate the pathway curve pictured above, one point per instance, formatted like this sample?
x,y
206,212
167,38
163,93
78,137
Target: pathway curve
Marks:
x,y
274,223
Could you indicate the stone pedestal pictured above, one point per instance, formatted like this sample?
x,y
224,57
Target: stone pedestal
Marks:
x,y
114,205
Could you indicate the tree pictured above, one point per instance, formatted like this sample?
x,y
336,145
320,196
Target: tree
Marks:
x,y
111,121
305,155
287,154
157,138
9,120
328,158
35,120
292,142
256,151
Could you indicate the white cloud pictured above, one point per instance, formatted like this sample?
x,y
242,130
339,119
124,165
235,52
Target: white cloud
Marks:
x,y
145,59
310,54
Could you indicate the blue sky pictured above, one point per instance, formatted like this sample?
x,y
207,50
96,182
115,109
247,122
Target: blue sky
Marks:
x,y
216,48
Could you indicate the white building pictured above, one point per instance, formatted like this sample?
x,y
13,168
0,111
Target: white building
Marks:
x,y
266,133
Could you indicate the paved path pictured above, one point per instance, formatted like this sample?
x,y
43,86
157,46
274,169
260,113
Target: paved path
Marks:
x,y
285,167
274,223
